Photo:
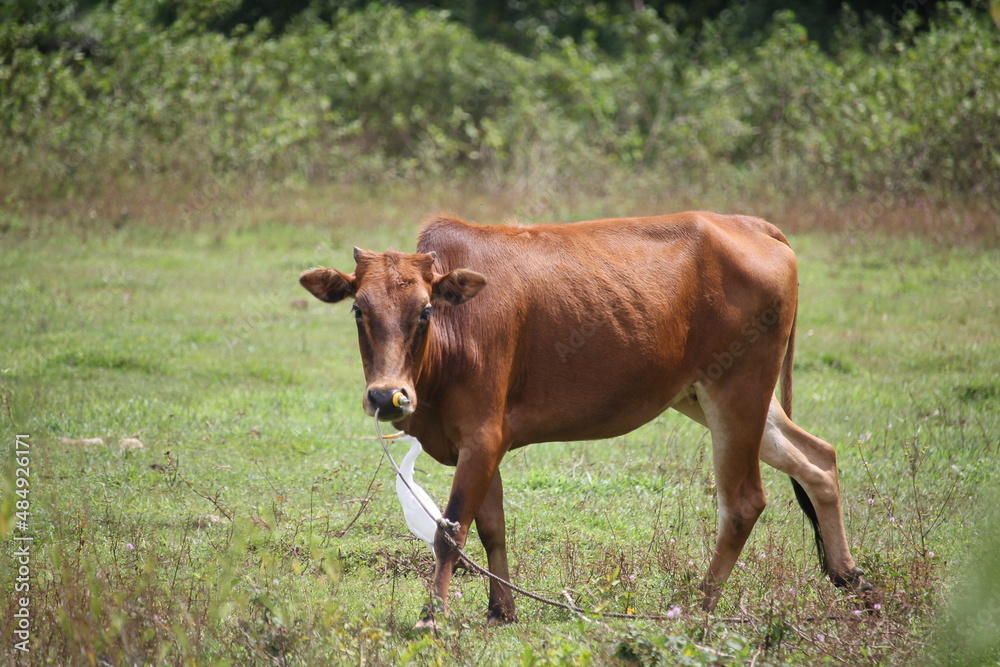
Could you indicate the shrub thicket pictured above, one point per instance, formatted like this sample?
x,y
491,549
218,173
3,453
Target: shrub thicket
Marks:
x,y
88,95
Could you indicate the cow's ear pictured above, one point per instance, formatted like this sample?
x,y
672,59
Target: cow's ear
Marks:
x,y
458,286
328,285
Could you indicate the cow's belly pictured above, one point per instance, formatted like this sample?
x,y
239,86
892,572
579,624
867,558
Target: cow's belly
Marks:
x,y
595,407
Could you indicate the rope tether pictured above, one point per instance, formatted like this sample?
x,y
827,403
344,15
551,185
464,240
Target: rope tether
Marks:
x,y
447,526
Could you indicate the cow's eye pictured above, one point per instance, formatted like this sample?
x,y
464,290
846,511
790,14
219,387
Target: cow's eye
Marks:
x,y
357,312
425,315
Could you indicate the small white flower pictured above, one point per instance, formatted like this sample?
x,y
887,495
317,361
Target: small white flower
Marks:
x,y
674,612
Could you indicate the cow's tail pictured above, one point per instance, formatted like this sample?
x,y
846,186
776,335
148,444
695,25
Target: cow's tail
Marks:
x,y
786,404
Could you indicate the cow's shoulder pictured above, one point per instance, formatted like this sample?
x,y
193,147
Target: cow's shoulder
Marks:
x,y
443,228
465,244
450,237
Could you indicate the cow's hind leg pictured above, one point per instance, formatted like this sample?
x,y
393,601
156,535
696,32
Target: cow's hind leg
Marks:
x,y
736,421
813,464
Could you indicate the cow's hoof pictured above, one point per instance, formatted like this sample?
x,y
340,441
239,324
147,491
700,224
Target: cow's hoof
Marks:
x,y
494,620
427,624
430,614
853,580
866,591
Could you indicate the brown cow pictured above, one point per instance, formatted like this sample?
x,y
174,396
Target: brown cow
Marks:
x,y
585,331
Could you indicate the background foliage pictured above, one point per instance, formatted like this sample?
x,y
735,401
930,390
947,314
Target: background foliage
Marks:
x,y
905,102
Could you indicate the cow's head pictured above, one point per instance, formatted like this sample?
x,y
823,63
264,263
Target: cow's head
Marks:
x,y
395,295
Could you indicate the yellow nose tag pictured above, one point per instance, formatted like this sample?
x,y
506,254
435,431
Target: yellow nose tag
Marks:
x,y
398,399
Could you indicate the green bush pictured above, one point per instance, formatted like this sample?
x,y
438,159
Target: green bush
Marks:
x,y
894,116
89,95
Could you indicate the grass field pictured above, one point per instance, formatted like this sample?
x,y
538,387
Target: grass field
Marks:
x,y
258,523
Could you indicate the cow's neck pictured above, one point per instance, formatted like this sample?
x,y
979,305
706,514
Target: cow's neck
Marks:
x,y
426,423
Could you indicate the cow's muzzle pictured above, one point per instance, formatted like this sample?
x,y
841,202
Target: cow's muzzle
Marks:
x,y
392,403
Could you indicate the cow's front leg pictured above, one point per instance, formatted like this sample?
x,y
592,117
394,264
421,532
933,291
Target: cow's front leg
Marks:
x,y
474,473
492,528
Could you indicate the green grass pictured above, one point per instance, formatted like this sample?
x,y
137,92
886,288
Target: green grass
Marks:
x,y
259,523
